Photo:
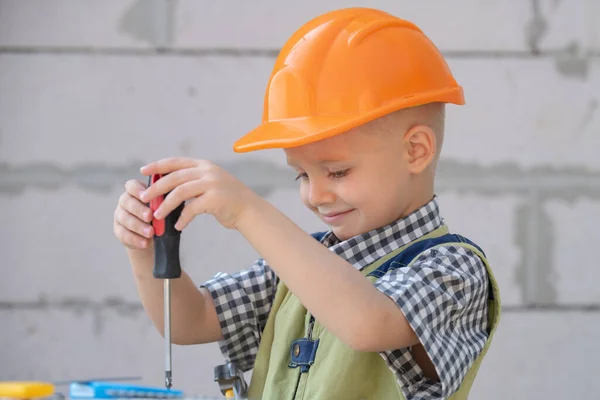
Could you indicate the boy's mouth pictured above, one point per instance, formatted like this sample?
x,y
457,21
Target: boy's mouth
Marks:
x,y
334,217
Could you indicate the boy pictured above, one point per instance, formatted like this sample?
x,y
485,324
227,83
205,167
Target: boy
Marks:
x,y
384,305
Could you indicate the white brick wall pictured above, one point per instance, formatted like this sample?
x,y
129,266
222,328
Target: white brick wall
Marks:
x,y
73,23
525,112
84,100
116,110
171,104
575,234
504,253
209,24
532,358
206,24
570,24
66,344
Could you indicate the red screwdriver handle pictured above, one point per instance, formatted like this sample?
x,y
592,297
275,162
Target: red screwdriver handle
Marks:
x,y
159,224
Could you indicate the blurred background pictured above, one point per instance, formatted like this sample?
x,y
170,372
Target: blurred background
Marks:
x,y
91,90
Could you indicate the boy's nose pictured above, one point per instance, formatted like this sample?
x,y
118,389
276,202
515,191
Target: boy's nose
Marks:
x,y
320,193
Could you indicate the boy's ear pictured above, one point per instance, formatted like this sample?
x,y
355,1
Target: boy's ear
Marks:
x,y
420,148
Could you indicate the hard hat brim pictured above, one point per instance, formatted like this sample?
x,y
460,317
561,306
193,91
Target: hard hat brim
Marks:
x,y
292,132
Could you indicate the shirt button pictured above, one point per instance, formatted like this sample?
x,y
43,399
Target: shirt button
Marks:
x,y
296,350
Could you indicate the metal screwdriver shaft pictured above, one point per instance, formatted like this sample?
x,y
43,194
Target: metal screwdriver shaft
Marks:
x,y
167,333
166,266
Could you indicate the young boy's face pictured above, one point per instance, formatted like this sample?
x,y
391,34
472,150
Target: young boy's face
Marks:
x,y
354,182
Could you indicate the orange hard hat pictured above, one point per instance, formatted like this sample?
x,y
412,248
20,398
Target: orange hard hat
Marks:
x,y
343,69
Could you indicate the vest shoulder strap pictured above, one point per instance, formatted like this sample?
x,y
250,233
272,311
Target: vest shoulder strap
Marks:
x,y
385,260
410,253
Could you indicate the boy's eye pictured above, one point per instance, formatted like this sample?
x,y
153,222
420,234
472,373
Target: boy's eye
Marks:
x,y
335,175
302,175
339,174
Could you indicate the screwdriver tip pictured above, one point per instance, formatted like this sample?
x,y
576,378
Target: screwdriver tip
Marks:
x,y
168,380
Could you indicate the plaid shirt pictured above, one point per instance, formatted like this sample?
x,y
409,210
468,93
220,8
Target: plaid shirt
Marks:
x,y
443,296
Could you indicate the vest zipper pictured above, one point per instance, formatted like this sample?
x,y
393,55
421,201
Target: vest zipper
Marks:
x,y
297,385
311,324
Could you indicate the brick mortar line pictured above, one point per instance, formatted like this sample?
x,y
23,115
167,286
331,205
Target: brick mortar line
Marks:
x,y
453,176
73,303
257,52
564,308
550,184
531,256
118,305
534,34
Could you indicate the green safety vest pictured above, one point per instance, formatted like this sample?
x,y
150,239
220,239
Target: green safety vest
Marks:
x,y
336,371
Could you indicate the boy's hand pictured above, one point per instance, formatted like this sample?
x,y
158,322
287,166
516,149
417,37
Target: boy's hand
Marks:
x,y
205,187
132,217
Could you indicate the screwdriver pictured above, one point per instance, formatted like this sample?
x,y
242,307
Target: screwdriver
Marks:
x,y
167,265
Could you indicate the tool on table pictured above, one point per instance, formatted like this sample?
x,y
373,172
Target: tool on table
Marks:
x,y
112,390
42,389
107,379
166,265
231,381
26,389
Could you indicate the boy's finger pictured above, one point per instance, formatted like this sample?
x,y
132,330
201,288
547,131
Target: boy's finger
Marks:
x,y
129,238
188,213
134,206
134,187
168,165
134,224
180,194
169,182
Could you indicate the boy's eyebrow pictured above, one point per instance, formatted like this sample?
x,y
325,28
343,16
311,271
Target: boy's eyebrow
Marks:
x,y
292,163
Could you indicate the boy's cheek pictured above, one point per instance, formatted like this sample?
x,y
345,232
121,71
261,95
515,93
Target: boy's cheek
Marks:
x,y
304,198
304,195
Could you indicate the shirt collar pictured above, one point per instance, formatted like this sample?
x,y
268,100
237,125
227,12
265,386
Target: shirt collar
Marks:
x,y
366,248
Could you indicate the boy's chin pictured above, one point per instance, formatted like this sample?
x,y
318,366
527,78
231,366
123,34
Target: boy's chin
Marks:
x,y
344,233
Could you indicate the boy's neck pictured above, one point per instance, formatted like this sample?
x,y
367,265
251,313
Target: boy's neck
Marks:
x,y
420,195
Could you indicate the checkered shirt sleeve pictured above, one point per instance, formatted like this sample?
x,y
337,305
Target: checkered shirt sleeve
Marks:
x,y
444,298
243,301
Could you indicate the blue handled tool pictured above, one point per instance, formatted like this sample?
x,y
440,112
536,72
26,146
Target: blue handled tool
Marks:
x,y
112,390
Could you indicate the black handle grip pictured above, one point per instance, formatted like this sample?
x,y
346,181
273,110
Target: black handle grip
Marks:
x,y
167,264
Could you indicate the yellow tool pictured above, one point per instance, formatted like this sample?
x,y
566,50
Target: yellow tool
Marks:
x,y
229,394
25,389
231,381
